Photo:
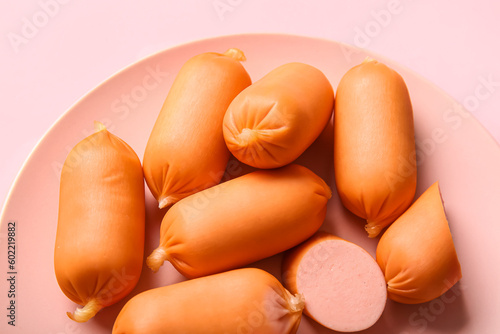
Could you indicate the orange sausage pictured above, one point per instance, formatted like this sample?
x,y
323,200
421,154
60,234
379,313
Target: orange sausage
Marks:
x,y
374,144
100,232
272,122
417,253
241,221
240,301
186,152
342,285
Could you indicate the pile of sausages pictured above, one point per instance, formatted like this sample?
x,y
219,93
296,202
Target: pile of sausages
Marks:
x,y
212,229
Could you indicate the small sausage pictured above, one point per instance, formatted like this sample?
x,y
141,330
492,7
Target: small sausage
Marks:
x,y
342,285
273,121
417,253
100,231
186,152
240,301
241,221
374,144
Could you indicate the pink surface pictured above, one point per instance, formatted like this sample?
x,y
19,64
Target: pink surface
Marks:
x,y
343,288
76,45
453,149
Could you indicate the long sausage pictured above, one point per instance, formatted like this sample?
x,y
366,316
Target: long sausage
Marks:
x,y
374,144
100,232
241,221
186,152
239,301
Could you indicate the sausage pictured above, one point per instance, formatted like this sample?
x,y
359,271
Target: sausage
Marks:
x,y
186,152
417,253
374,144
342,286
241,221
273,121
239,301
99,244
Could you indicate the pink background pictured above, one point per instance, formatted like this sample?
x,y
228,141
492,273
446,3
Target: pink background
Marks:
x,y
54,51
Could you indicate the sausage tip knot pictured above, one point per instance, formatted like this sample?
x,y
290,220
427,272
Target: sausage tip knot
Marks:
x,y
156,259
85,313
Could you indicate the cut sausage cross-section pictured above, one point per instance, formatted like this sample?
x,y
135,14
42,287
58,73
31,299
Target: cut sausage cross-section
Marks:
x,y
342,285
